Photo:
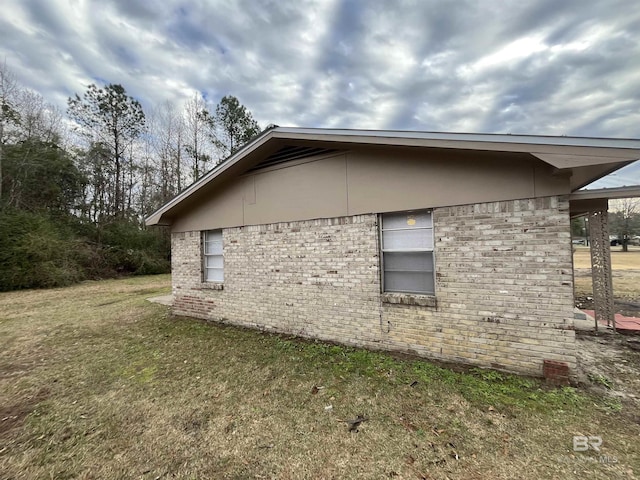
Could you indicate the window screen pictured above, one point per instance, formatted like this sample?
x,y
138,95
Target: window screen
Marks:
x,y
213,259
407,252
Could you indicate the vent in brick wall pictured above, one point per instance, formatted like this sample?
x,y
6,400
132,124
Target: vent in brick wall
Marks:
x,y
289,153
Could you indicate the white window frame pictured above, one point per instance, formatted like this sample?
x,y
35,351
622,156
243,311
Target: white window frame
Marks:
x,y
428,231
212,254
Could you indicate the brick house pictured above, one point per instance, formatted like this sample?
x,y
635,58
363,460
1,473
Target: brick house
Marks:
x,y
454,247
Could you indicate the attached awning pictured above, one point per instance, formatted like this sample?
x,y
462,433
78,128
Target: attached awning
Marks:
x,y
595,203
584,201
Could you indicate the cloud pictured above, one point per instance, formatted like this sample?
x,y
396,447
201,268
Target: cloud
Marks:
x,y
538,67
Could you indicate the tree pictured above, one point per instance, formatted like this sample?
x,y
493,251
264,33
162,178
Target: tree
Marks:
x,y
166,137
9,115
197,122
234,126
38,119
40,176
96,166
62,217
625,220
577,227
112,118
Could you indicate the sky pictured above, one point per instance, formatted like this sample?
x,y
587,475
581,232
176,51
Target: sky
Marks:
x,y
540,67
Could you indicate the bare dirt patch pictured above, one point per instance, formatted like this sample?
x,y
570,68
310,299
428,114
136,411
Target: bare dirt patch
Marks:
x,y
628,307
608,364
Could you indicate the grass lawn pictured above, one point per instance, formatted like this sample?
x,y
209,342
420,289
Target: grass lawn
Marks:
x,y
95,382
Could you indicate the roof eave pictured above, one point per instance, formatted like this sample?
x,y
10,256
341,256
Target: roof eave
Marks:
x,y
156,218
607,193
534,143
564,153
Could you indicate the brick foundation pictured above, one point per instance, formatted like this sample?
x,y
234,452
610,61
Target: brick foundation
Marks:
x,y
504,288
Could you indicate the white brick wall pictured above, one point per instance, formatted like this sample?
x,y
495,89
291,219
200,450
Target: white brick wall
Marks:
x,y
504,293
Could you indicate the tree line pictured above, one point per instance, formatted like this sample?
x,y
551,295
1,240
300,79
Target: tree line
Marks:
x,y
75,185
624,223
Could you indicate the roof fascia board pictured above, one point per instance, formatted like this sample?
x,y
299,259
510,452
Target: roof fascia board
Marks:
x,y
623,153
482,138
606,193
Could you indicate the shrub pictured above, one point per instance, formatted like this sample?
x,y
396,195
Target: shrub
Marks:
x,y
41,251
36,253
130,249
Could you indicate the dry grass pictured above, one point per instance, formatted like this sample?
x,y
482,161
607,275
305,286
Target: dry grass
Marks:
x,y
626,285
619,260
626,272
97,383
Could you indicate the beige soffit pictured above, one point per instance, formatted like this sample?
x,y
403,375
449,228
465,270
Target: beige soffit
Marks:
x,y
572,161
561,152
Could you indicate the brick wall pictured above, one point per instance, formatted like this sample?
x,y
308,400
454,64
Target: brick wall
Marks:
x,y
504,294
504,287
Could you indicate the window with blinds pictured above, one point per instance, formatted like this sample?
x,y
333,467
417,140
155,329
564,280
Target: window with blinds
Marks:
x,y
407,252
213,261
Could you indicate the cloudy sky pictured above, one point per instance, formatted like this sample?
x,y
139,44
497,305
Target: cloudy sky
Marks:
x,y
547,67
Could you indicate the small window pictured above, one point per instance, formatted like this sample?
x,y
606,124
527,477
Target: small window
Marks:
x,y
407,252
213,259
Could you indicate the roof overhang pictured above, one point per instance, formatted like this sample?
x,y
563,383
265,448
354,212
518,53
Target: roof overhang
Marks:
x,y
585,201
585,159
607,193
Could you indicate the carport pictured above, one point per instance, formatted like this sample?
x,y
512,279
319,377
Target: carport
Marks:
x,y
594,204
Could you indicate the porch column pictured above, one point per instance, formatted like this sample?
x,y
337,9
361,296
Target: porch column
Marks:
x,y
601,266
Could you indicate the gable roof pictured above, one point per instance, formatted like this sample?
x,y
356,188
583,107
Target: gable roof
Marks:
x,y
587,159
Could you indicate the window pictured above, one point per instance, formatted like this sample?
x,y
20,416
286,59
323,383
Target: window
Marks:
x,y
213,259
407,252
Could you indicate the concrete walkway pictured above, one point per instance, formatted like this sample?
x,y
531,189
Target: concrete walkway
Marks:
x,y
162,300
583,321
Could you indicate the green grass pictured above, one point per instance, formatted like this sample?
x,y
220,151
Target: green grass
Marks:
x,y
97,383
478,386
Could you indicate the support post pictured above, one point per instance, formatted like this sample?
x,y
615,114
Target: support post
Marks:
x,y
601,266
